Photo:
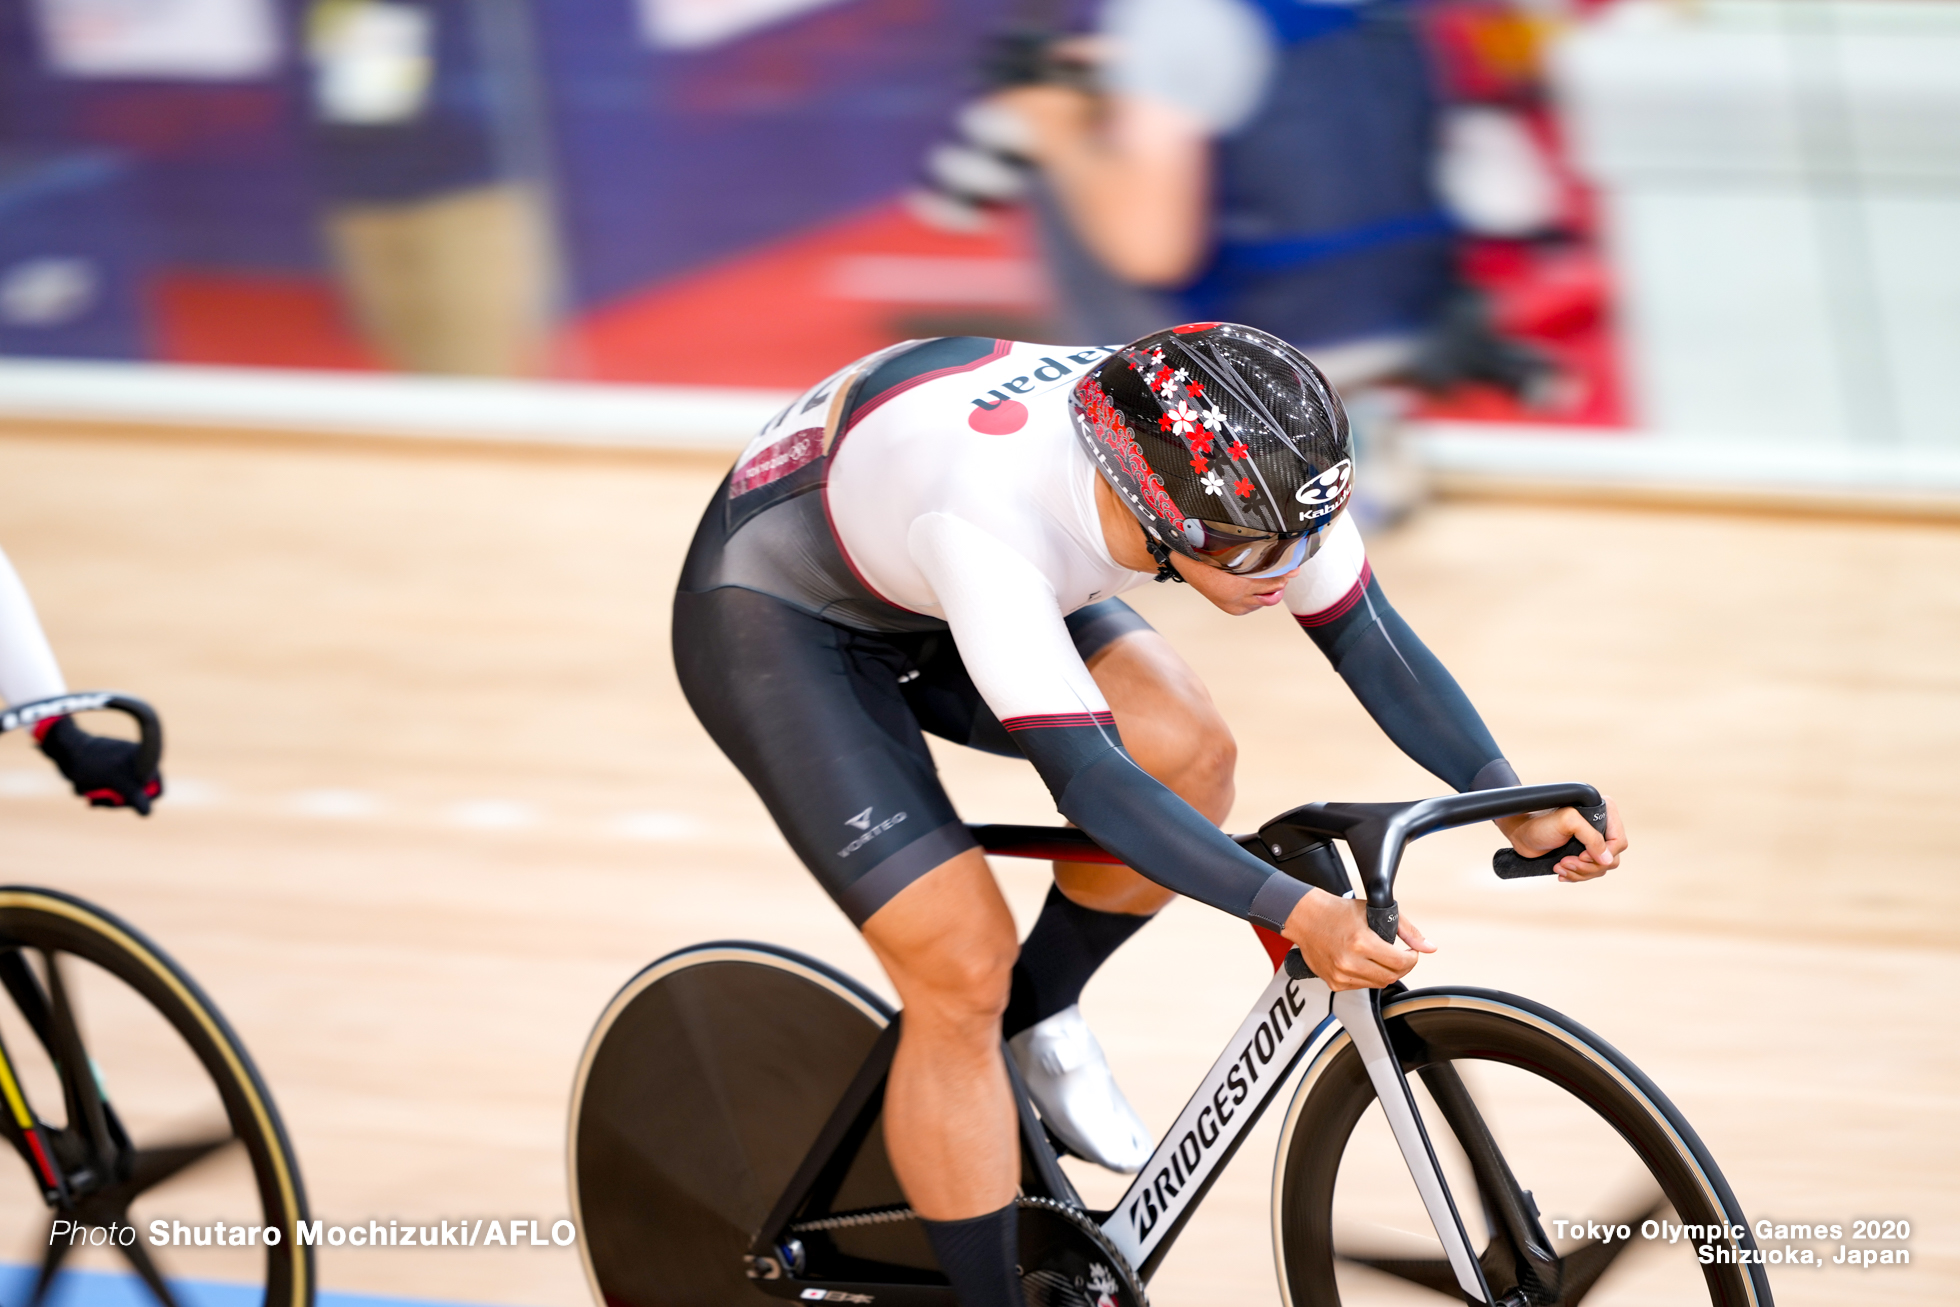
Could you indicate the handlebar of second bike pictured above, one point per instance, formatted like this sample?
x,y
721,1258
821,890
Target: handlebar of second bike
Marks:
x,y
149,747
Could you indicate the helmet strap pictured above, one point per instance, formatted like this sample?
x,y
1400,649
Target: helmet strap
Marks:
x,y
1160,552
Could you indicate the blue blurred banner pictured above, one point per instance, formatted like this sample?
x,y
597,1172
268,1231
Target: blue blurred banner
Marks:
x,y
281,159
105,1289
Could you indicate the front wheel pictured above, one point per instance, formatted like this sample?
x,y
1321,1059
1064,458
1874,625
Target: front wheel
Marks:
x,y
147,1141
1576,1176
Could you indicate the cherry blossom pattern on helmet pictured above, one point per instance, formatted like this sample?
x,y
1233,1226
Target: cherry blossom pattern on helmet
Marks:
x,y
1112,440
1215,432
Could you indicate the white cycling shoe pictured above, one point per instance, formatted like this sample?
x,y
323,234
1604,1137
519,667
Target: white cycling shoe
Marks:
x,y
1075,1091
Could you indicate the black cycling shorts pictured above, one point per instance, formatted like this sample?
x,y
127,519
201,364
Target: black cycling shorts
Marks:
x,y
827,723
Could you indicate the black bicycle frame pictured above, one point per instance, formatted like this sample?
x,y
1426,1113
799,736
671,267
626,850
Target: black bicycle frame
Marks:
x,y
777,1257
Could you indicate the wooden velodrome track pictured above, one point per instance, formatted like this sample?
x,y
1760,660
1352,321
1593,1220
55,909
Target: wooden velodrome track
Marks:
x,y
437,796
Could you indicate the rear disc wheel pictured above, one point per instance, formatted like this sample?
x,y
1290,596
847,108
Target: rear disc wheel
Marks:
x,y
705,1083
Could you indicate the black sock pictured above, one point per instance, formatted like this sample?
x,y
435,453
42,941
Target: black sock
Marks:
x,y
979,1256
1063,950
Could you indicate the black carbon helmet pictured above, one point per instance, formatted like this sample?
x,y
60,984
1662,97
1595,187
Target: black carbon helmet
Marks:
x,y
1226,442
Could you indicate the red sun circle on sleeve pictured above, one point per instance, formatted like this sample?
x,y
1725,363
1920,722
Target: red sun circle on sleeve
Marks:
x,y
1004,419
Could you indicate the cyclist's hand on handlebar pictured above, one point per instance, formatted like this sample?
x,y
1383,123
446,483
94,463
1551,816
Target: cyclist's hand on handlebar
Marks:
x,y
1536,834
101,768
1334,937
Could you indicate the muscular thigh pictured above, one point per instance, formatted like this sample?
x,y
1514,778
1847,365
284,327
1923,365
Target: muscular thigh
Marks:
x,y
1167,719
1173,730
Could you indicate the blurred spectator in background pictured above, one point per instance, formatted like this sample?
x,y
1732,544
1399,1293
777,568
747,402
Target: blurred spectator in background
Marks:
x,y
1271,162
1259,161
442,254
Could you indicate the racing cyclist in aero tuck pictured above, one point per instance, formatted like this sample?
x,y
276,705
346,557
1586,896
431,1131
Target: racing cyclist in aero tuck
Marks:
x,y
101,769
934,539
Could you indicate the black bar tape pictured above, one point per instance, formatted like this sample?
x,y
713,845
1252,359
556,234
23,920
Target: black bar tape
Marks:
x,y
1509,864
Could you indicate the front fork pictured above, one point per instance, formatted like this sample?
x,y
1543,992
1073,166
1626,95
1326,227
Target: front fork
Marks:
x,y
1360,1013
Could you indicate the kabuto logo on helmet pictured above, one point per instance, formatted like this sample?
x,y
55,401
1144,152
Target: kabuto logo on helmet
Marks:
x,y
1326,493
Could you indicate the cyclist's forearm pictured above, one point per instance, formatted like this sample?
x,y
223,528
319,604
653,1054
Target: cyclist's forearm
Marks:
x,y
1410,694
1134,816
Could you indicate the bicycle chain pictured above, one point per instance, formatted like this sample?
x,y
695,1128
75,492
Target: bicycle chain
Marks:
x,y
856,1220
1043,1286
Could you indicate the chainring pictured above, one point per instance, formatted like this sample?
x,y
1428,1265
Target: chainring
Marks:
x,y
1067,1261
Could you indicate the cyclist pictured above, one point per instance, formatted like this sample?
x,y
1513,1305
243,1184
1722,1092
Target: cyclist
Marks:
x,y
933,539
102,769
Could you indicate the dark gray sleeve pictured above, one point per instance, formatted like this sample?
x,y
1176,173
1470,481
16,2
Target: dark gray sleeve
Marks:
x,y
1100,788
1408,691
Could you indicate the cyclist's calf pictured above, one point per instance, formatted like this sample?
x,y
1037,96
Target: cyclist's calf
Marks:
x,y
947,941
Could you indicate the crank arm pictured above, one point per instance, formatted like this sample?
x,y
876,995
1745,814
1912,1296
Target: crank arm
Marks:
x,y
1360,1012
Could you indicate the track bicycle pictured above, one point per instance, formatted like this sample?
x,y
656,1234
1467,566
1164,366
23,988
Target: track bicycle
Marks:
x,y
131,1102
725,1147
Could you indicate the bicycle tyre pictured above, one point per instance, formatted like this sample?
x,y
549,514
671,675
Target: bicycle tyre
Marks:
x,y
53,925
703,1086
1477,1025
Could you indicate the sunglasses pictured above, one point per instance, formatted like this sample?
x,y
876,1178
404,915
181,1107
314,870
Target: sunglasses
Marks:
x,y
1248,553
